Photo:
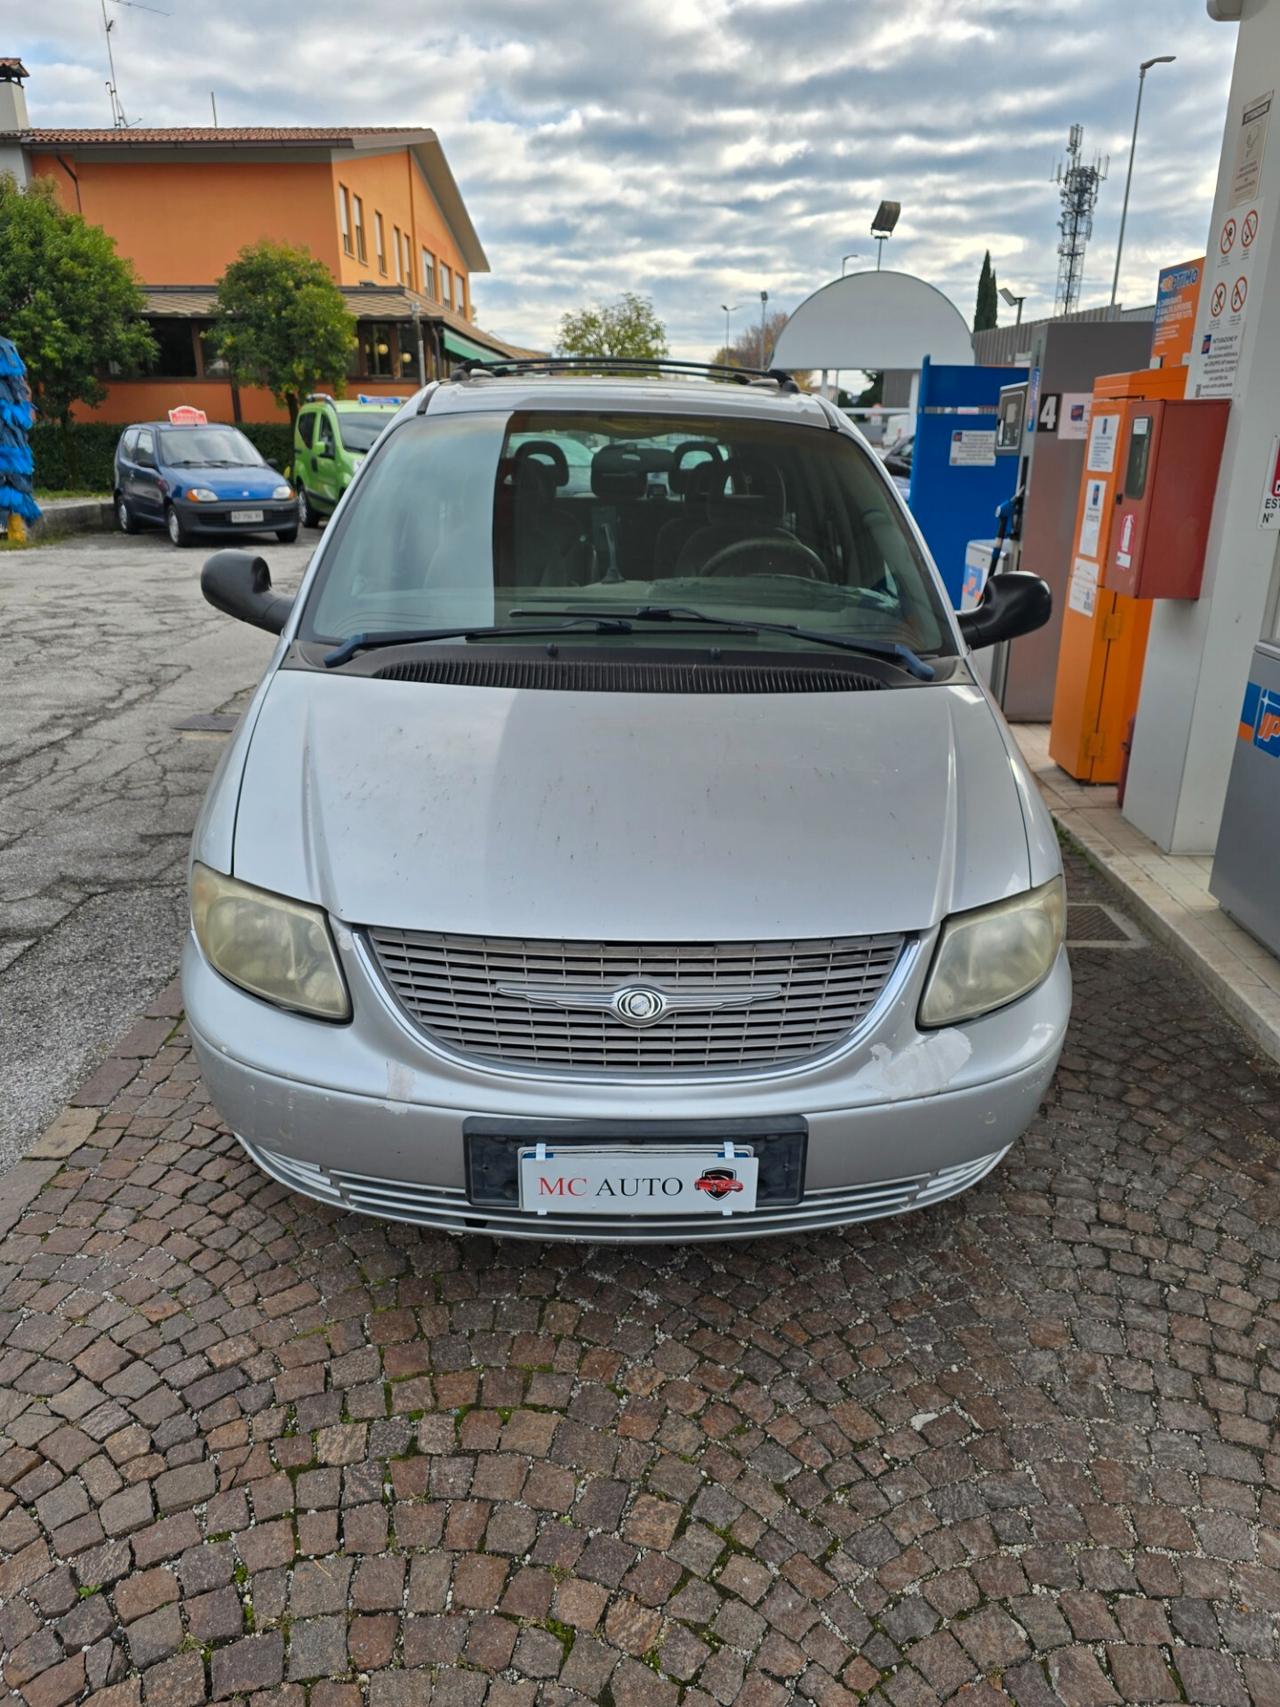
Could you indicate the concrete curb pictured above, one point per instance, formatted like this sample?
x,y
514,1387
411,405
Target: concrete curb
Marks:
x,y
73,515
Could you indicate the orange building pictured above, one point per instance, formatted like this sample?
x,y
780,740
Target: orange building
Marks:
x,y
377,204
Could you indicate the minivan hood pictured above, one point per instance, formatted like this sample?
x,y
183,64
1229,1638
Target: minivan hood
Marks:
x,y
619,816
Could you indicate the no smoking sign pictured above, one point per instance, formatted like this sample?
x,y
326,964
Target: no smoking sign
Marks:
x,y
1218,301
1249,230
1239,291
1228,237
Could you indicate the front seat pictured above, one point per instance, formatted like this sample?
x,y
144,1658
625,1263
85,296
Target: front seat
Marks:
x,y
692,482
549,550
752,511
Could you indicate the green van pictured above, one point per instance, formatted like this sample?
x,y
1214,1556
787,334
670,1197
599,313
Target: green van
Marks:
x,y
330,440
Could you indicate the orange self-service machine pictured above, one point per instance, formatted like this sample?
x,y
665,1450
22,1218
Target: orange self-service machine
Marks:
x,y
1168,461
1104,631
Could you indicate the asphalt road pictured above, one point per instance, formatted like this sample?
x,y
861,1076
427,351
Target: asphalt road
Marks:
x,y
108,646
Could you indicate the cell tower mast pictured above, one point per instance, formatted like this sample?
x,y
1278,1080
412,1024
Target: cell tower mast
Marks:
x,y
1078,188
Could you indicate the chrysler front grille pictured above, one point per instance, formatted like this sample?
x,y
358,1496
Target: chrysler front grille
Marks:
x,y
511,1001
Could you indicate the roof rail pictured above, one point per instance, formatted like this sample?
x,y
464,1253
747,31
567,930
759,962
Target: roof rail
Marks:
x,y
640,366
318,397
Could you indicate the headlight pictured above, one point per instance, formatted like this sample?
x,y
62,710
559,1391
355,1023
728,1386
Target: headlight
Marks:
x,y
201,495
275,948
283,492
993,955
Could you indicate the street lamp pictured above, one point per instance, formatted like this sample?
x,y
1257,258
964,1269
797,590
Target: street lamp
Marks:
x,y
844,258
1013,301
727,312
882,226
1160,59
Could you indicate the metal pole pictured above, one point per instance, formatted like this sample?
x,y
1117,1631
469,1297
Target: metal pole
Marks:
x,y
1128,179
422,355
1018,316
213,102
764,300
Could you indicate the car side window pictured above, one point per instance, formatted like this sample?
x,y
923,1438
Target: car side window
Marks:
x,y
324,436
129,444
307,426
145,451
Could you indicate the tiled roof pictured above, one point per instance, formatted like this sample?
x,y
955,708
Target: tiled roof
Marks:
x,y
210,136
7,64
366,302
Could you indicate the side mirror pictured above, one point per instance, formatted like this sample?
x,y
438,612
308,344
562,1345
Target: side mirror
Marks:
x,y
1012,604
239,584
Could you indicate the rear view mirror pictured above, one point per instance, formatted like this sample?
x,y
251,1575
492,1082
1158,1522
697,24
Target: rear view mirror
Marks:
x,y
1012,604
239,584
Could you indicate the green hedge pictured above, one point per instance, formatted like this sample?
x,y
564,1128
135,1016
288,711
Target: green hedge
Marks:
x,y
82,458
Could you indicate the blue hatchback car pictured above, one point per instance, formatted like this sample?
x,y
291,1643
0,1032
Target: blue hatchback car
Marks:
x,y
199,480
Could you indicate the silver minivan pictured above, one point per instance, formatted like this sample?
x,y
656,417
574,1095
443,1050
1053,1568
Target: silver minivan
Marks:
x,y
620,844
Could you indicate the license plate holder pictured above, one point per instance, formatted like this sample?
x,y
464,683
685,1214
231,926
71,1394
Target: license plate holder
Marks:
x,y
492,1146
239,516
630,1179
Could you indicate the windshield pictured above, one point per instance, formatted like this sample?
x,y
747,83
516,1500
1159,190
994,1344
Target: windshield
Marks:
x,y
463,518
359,428
204,447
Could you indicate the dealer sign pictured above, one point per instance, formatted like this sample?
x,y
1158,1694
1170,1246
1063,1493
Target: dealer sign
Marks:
x,y
637,1179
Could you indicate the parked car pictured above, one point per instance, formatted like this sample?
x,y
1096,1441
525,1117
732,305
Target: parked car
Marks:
x,y
641,860
331,438
200,479
897,458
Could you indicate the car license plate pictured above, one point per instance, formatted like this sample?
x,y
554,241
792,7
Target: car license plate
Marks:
x,y
246,515
635,1179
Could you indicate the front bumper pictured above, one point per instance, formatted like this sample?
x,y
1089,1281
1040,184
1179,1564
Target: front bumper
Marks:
x,y
369,1116
216,518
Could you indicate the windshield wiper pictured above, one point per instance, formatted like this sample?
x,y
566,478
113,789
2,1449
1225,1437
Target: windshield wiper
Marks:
x,y
893,651
413,636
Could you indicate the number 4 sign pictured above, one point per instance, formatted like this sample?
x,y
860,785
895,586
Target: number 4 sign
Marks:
x,y
1269,516
1050,407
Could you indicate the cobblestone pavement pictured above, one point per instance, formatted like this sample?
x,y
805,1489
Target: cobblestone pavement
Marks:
x,y
1020,1447
108,645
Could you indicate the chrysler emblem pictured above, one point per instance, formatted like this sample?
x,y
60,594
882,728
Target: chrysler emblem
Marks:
x,y
639,1006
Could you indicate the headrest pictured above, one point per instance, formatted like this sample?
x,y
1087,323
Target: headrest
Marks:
x,y
758,494
619,471
683,472
534,481
546,451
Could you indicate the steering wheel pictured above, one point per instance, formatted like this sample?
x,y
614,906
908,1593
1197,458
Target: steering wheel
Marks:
x,y
724,561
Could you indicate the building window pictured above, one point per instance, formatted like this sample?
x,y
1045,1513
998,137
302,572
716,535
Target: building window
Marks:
x,y
446,284
175,356
460,292
344,217
376,352
408,260
395,242
428,274
380,242
357,207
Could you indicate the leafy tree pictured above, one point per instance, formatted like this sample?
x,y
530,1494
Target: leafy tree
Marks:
x,y
282,323
985,313
874,392
70,303
744,351
626,327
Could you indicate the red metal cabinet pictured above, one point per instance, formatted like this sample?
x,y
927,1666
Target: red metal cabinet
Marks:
x,y
1168,472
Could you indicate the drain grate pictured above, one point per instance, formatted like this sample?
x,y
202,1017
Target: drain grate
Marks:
x,y
1090,924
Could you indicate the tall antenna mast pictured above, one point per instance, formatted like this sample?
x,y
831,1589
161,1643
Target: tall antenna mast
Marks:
x,y
118,120
1078,188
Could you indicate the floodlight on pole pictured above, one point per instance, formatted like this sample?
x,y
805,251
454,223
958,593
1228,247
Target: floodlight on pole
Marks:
x,y
1160,59
728,310
1013,302
886,217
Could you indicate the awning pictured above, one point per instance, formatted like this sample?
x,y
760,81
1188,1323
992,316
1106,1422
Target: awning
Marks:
x,y
463,348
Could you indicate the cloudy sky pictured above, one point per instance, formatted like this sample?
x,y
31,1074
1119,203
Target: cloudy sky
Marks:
x,y
700,151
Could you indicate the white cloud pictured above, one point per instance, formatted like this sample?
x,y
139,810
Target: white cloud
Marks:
x,y
703,150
